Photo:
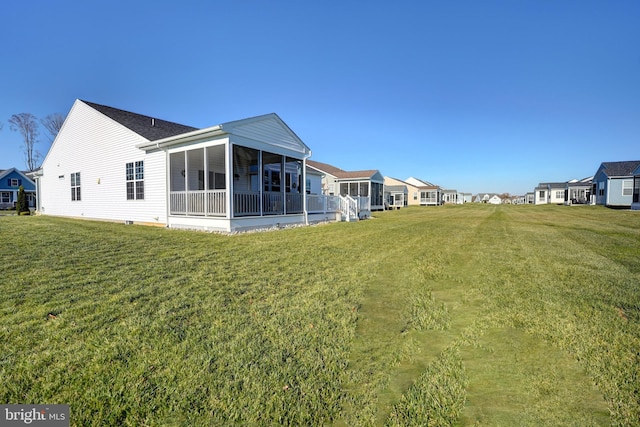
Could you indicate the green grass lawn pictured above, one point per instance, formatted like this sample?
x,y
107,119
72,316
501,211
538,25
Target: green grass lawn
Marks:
x,y
467,315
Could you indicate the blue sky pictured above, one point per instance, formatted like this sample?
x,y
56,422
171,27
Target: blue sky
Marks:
x,y
478,96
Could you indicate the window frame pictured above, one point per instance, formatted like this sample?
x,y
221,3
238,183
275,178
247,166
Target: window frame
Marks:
x,y
629,183
75,187
134,178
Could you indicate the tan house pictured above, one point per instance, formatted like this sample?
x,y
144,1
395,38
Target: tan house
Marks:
x,y
419,192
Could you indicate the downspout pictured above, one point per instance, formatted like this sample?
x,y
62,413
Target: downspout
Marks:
x,y
304,183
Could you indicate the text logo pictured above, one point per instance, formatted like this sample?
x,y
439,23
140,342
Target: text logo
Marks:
x,y
34,415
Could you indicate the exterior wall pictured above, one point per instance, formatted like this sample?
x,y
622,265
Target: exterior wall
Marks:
x,y
614,193
600,182
330,187
314,182
540,196
556,195
99,148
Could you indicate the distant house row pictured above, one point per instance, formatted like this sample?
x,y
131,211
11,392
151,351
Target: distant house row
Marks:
x,y
615,184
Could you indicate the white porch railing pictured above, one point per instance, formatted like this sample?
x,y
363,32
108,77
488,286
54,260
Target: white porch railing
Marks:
x,y
295,203
201,202
246,203
317,203
272,203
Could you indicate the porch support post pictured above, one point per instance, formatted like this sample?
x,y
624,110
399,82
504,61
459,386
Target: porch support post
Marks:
x,y
229,171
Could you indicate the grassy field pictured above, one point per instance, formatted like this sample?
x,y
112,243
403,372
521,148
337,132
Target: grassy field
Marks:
x,y
469,315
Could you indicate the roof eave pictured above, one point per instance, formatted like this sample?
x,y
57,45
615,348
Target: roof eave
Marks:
x,y
182,138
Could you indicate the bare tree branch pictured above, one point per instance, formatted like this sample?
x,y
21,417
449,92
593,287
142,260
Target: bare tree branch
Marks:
x,y
27,125
53,123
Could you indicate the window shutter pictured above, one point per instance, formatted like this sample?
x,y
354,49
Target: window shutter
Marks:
x,y
19,182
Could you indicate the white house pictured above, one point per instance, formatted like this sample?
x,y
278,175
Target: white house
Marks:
x,y
549,193
491,198
115,165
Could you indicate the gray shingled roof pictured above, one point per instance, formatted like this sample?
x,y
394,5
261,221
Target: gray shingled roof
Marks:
x,y
145,126
620,168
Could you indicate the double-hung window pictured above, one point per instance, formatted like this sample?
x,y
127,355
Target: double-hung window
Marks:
x,y
75,186
627,187
14,182
135,180
5,197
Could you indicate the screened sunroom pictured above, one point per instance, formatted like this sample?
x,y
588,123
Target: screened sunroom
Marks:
x,y
244,174
263,183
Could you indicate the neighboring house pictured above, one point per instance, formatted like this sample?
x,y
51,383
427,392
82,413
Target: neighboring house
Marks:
x,y
529,198
578,192
10,182
364,184
115,165
491,198
518,200
413,191
466,198
613,183
395,196
450,197
550,193
314,181
428,193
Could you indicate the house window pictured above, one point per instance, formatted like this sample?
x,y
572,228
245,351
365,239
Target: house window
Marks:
x,y
135,180
627,187
541,195
5,197
559,194
601,189
415,195
75,186
14,182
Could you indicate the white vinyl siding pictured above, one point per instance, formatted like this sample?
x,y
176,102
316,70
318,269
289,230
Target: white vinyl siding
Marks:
x,y
75,187
99,147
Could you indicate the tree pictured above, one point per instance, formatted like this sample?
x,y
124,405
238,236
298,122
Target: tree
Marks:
x,y
22,204
27,125
52,123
